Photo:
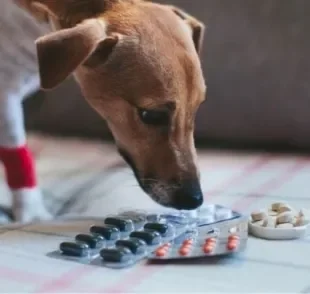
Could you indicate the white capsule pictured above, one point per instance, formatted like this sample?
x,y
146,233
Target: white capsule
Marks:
x,y
285,217
258,215
258,223
299,221
275,206
269,222
272,213
284,208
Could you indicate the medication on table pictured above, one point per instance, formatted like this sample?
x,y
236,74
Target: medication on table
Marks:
x,y
269,222
233,242
116,255
124,225
272,212
209,245
106,231
301,213
158,227
283,223
284,208
185,250
258,215
299,221
92,241
226,233
124,239
148,236
285,217
74,249
135,245
162,250
259,223
276,206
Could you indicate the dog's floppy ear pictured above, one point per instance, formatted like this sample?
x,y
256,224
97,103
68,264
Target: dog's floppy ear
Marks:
x,y
61,52
197,27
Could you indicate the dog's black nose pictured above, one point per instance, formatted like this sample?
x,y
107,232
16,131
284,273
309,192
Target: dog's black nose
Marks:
x,y
188,197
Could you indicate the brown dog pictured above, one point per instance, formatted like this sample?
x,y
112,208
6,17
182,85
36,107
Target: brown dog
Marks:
x,y
138,66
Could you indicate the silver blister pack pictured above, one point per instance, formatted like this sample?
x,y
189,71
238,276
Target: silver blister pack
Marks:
x,y
219,231
124,239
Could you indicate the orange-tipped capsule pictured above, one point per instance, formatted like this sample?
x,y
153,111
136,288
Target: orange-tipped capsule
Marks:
x,y
208,248
233,238
210,241
188,242
185,250
232,245
161,252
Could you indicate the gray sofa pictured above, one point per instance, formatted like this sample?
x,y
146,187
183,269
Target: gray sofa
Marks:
x,y
257,68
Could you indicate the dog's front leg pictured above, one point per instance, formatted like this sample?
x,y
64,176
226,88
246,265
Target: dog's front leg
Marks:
x,y
19,166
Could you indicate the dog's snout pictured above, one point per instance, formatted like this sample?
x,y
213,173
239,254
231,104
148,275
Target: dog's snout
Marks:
x,y
189,196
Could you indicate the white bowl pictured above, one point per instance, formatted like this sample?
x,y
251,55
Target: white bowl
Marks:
x,y
278,233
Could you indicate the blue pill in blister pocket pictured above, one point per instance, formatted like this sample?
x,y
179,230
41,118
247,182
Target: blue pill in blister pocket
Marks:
x,y
74,249
106,231
135,245
93,241
150,237
158,227
124,225
116,255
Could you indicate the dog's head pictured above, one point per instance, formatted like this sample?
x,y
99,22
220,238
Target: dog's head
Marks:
x,y
138,66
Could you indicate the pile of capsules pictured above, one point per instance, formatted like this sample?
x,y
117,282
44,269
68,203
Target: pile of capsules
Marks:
x,y
124,239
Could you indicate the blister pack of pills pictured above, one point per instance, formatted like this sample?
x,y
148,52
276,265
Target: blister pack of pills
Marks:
x,y
124,239
219,231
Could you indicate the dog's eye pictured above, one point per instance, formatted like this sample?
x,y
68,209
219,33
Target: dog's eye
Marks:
x,y
154,117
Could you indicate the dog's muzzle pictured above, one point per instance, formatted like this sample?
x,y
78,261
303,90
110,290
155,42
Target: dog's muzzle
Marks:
x,y
188,197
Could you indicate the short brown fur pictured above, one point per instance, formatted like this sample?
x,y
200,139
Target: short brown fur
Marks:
x,y
129,56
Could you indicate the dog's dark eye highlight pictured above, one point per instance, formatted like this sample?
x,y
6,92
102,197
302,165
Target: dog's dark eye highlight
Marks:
x,y
154,117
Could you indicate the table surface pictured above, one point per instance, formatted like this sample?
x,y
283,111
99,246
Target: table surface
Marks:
x,y
99,185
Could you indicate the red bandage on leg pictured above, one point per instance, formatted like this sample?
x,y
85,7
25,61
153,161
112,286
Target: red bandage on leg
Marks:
x,y
19,167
